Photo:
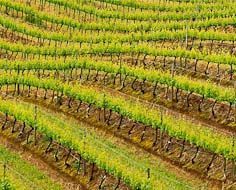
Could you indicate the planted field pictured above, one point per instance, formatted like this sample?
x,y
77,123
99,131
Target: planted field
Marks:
x,y
105,94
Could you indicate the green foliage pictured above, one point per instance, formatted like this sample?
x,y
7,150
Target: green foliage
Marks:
x,y
93,148
203,88
178,128
212,20
5,185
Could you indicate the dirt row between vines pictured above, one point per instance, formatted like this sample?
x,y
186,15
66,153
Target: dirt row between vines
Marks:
x,y
36,159
178,169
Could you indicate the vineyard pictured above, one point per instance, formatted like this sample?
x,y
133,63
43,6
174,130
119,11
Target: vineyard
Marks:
x,y
117,94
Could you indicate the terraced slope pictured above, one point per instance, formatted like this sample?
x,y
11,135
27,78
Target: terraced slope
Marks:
x,y
152,84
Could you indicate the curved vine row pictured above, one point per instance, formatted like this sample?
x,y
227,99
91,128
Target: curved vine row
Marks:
x,y
190,15
10,24
175,127
37,17
118,49
95,149
203,88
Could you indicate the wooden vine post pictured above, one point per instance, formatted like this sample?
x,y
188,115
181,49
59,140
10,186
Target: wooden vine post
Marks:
x,y
148,173
4,170
18,85
35,127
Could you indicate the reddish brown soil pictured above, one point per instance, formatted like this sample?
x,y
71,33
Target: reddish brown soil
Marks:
x,y
171,155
